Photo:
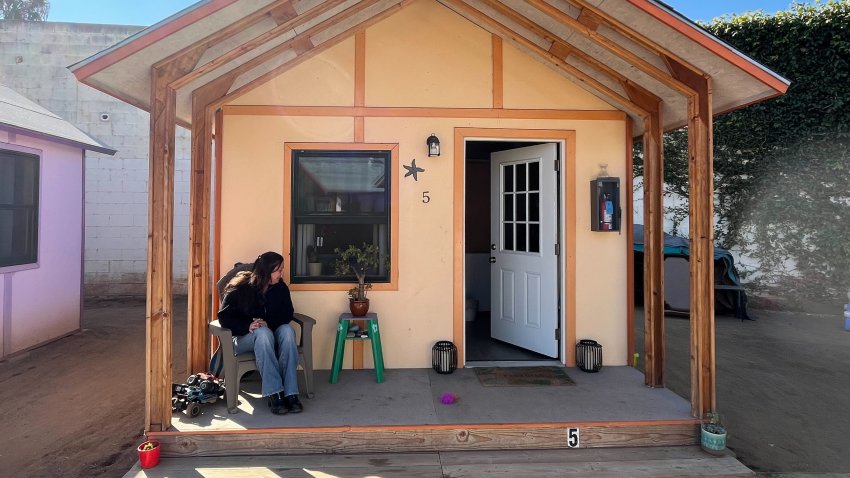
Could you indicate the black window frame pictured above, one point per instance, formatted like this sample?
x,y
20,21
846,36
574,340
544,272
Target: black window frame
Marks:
x,y
30,254
299,216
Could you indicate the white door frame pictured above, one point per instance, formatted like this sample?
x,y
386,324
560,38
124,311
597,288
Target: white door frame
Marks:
x,y
566,219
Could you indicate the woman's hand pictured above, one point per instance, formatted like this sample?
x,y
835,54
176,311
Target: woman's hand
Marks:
x,y
256,324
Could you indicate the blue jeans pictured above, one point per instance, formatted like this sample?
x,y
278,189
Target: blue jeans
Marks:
x,y
278,371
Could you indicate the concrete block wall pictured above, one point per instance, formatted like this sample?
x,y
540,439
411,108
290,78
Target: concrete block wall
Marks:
x,y
34,57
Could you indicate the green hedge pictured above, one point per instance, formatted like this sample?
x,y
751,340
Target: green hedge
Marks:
x,y
782,167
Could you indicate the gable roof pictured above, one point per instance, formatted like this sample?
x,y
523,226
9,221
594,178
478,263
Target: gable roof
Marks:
x,y
20,114
617,49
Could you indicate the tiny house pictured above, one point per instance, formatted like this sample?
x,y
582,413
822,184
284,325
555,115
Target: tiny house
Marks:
x,y
484,148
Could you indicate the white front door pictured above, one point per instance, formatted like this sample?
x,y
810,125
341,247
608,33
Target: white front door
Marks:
x,y
523,269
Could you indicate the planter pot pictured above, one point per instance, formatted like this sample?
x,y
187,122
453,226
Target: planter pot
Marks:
x,y
314,268
359,308
714,443
148,458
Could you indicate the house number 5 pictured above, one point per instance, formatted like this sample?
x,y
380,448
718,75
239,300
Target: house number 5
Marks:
x,y
572,437
426,197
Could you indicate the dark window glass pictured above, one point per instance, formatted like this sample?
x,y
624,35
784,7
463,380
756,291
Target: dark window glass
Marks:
x,y
534,206
520,207
509,237
508,178
521,238
534,238
509,207
520,178
340,198
534,176
18,208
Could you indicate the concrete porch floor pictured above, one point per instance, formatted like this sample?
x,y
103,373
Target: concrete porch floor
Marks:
x,y
412,397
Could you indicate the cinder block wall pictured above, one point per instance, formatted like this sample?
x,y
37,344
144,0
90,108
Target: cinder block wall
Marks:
x,y
34,57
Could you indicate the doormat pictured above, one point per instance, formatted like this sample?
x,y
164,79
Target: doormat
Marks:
x,y
522,376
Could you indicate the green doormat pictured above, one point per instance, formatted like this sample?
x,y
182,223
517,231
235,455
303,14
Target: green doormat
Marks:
x,y
522,376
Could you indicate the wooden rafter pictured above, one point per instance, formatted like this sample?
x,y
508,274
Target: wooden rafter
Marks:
x,y
221,35
257,41
507,33
610,45
305,55
626,31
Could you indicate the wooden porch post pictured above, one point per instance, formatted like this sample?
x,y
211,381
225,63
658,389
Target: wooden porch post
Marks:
x,y
198,318
159,310
701,212
653,254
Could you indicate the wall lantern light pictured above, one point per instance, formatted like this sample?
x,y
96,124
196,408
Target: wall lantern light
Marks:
x,y
433,145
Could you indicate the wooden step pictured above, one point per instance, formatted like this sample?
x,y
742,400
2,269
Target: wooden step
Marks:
x,y
661,462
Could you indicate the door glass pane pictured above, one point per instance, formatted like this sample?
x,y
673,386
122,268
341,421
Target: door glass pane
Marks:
x,y
521,238
520,207
509,237
534,176
509,207
534,206
534,238
520,177
508,177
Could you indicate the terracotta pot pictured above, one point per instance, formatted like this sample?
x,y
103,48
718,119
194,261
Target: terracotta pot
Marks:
x,y
359,308
148,458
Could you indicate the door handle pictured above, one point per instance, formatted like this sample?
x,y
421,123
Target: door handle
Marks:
x,y
492,260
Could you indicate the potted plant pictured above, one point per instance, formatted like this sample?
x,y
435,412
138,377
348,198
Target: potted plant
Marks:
x,y
314,267
713,434
148,453
359,260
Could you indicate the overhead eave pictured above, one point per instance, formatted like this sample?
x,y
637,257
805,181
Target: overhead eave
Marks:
x,y
124,70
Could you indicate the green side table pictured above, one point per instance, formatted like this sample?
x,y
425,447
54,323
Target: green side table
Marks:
x,y
374,335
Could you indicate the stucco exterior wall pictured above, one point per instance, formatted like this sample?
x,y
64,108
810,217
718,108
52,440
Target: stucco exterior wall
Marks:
x,y
42,302
421,310
34,57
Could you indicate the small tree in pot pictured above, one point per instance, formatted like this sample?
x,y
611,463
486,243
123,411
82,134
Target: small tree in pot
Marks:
x,y
359,260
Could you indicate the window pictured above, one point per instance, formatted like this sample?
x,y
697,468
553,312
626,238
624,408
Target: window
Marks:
x,y
339,198
18,208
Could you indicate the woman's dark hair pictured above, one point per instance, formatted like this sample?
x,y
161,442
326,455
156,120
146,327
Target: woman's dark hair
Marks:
x,y
265,264
256,280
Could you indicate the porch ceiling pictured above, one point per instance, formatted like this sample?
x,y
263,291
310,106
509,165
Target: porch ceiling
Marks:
x,y
623,51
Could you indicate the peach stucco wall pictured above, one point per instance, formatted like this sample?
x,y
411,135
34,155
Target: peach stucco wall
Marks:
x,y
41,302
421,311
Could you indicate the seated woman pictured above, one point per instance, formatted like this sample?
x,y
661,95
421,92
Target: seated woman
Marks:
x,y
257,308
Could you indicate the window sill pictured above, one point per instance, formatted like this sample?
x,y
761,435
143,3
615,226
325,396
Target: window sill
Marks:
x,y
18,268
344,286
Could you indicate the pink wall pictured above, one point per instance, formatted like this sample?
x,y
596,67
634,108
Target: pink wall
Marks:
x,y
42,302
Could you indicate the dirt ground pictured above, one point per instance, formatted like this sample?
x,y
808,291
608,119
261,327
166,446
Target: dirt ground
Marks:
x,y
74,408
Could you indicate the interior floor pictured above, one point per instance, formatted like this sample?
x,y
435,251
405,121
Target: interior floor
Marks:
x,y
481,347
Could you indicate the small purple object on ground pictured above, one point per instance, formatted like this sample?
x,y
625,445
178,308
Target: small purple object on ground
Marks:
x,y
448,398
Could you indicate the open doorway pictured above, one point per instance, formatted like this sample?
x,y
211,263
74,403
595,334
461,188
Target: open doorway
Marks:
x,y
512,231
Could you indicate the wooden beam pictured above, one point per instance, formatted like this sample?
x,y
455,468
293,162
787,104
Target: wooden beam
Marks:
x,y
590,82
628,213
260,40
626,31
653,239
701,220
159,308
283,13
262,79
498,73
607,43
404,112
198,317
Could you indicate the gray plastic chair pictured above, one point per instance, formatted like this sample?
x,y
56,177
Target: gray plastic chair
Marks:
x,y
235,366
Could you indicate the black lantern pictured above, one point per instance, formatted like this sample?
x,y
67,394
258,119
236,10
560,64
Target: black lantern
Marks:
x,y
444,357
433,145
589,355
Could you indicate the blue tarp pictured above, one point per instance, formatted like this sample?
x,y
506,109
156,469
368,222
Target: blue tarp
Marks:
x,y
724,267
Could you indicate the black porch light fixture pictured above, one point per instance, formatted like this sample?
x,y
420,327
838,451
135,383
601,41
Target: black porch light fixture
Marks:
x,y
433,145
